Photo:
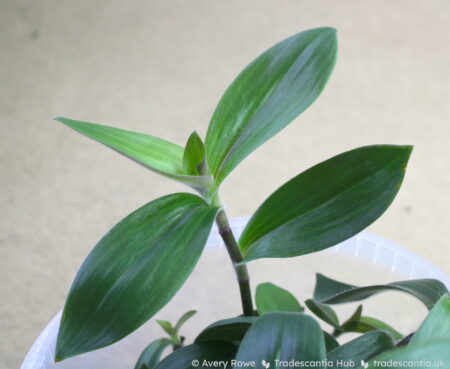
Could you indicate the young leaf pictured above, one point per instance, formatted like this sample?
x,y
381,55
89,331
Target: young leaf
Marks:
x,y
271,298
184,318
436,324
227,330
323,312
329,291
168,328
434,351
209,351
160,156
361,348
152,354
327,203
267,95
133,271
283,336
194,155
367,324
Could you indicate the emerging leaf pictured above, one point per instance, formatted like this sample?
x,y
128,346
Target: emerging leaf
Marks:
x,y
327,203
194,155
267,95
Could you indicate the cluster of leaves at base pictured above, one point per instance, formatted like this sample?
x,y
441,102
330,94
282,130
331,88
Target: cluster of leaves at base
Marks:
x,y
283,331
141,263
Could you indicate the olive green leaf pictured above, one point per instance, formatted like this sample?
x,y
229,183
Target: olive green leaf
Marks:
x,y
194,155
283,336
329,291
361,348
270,298
227,330
152,354
327,203
160,156
436,325
205,352
133,271
267,95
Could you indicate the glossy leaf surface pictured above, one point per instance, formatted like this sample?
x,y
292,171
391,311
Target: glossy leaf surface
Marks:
x,y
327,203
330,291
158,155
203,352
361,348
282,336
152,354
271,298
267,95
229,330
133,271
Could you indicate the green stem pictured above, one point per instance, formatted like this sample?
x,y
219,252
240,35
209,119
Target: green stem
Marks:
x,y
236,257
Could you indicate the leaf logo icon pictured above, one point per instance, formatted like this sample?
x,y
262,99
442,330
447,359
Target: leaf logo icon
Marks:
x,y
364,364
265,364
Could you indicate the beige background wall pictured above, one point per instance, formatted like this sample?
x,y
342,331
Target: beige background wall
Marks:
x,y
160,67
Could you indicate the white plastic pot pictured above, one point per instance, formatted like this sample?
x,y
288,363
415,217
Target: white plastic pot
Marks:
x,y
365,249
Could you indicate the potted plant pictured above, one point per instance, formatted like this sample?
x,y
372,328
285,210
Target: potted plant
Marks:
x,y
141,263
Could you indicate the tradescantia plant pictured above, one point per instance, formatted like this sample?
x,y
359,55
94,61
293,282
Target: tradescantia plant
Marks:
x,y
140,264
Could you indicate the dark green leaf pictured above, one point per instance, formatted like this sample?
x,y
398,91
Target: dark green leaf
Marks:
x,y
435,352
323,312
330,342
230,330
329,291
267,95
436,324
194,155
203,352
184,318
326,204
271,298
361,348
160,156
282,336
152,354
133,271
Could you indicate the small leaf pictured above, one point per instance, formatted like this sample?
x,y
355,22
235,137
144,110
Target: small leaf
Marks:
x,y
361,348
194,155
283,336
435,351
436,325
330,342
168,328
327,203
329,291
376,324
229,330
271,298
152,354
267,95
133,271
184,318
324,312
200,352
160,156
